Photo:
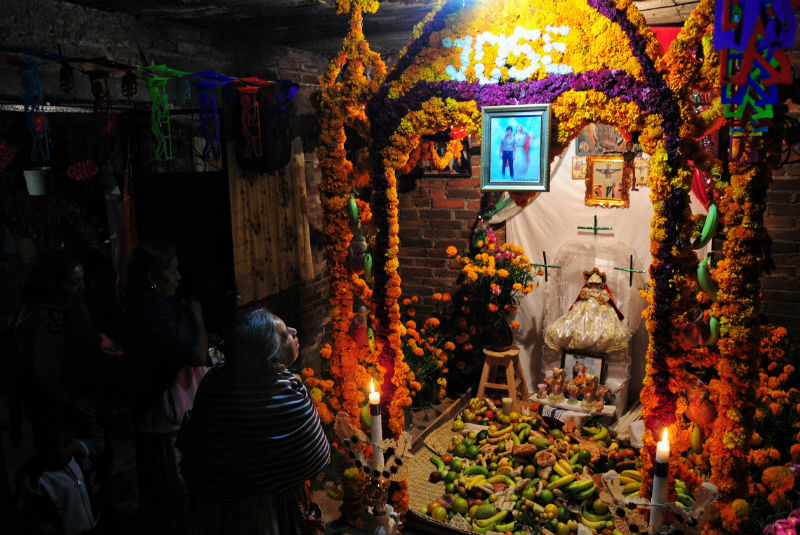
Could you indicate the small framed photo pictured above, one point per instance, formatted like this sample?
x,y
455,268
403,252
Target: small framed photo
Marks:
x,y
515,149
607,181
578,364
598,138
579,168
641,170
436,160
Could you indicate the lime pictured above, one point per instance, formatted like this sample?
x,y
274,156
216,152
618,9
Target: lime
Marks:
x,y
460,505
432,506
528,493
468,441
473,451
563,514
554,477
529,471
450,476
493,466
584,457
455,465
551,510
546,496
562,529
450,488
439,513
557,433
460,450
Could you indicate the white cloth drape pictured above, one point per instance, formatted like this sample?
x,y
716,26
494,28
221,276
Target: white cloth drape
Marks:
x,y
550,224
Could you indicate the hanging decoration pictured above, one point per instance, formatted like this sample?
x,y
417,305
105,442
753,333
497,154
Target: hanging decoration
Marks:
x,y
159,75
129,88
35,118
752,36
205,83
251,115
103,118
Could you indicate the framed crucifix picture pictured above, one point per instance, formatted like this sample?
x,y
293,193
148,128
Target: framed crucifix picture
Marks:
x,y
641,170
607,181
578,364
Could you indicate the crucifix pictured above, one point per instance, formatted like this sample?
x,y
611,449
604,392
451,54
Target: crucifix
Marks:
x,y
595,228
545,265
630,271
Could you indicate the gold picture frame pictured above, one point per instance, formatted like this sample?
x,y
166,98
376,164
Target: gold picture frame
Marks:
x,y
607,181
579,168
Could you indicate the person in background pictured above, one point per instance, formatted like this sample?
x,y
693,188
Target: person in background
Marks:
x,y
254,437
166,347
507,147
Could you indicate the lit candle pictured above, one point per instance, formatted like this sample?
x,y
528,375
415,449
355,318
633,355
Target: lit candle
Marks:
x,y
661,469
508,405
377,429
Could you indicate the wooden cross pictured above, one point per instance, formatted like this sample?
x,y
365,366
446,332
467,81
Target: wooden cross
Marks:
x,y
630,271
595,228
545,265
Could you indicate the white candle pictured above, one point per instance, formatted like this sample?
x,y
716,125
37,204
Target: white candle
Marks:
x,y
377,429
661,469
507,405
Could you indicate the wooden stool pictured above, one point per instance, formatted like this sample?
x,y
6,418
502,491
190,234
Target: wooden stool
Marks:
x,y
514,379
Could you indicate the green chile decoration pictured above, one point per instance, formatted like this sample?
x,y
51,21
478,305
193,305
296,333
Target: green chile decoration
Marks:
x,y
368,268
352,208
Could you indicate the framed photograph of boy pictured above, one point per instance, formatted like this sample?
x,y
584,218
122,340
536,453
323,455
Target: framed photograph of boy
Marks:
x,y
515,149
578,364
607,181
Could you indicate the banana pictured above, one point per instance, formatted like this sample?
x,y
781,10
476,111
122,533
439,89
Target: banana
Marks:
x,y
492,520
579,485
560,470
474,480
697,440
602,434
502,478
440,467
598,524
626,480
709,227
594,517
480,530
504,431
685,500
504,470
561,482
477,469
565,464
705,281
631,487
501,438
574,459
633,474
505,527
586,494
589,430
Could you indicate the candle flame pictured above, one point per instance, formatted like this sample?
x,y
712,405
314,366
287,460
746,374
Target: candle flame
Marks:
x,y
371,386
665,436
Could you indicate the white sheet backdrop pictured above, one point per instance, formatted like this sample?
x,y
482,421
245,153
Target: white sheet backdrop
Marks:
x,y
550,224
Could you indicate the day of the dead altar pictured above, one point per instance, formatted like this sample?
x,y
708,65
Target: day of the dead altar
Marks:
x,y
526,78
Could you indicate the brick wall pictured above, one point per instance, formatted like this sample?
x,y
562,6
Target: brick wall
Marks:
x,y
781,288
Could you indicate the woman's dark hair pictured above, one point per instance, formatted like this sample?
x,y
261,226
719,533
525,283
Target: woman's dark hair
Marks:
x,y
148,258
53,268
254,344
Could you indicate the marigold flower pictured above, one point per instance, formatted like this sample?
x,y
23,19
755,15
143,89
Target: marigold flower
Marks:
x,y
449,346
418,351
326,351
467,347
492,307
406,302
437,296
479,244
502,273
515,325
414,299
517,286
451,251
308,372
411,312
316,394
415,385
446,298
411,324
433,322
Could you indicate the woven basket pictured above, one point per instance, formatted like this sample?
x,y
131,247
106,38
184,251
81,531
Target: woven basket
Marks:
x,y
420,490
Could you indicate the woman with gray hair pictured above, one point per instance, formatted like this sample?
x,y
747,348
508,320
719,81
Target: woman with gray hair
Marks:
x,y
254,437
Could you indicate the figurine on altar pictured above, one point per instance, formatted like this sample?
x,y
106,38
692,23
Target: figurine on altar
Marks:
x,y
589,386
555,384
593,322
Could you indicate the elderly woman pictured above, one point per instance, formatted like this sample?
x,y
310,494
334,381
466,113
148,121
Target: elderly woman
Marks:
x,y
167,347
254,437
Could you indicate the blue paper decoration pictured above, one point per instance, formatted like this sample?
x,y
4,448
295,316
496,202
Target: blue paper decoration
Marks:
x,y
205,82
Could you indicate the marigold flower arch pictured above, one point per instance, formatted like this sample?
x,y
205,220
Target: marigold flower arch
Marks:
x,y
611,70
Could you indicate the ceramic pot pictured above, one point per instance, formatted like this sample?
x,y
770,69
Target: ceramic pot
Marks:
x,y
501,338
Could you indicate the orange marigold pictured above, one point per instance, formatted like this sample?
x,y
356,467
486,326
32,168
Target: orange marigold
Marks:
x,y
437,296
451,251
308,372
492,307
515,325
433,322
450,346
502,273
418,351
446,298
411,324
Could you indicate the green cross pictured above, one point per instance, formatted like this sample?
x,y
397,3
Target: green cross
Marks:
x,y
595,228
545,265
630,271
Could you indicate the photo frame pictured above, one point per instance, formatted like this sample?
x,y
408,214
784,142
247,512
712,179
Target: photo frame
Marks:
x,y
598,138
607,181
457,166
576,363
641,170
579,168
515,148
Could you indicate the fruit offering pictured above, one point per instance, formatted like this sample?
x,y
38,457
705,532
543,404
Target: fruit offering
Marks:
x,y
515,473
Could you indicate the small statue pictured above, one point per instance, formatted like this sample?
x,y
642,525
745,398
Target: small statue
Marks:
x,y
555,384
699,409
589,386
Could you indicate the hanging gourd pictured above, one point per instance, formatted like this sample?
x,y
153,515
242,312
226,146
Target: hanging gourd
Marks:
x,y
709,227
368,268
704,279
352,209
356,253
